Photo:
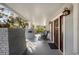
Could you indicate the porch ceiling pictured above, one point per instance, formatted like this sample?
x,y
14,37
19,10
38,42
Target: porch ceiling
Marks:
x,y
36,12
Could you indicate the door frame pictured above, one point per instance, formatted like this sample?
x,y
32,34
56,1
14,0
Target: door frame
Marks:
x,y
56,38
51,32
58,16
61,31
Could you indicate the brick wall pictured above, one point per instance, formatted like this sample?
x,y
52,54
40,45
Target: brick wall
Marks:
x,y
12,41
17,43
4,46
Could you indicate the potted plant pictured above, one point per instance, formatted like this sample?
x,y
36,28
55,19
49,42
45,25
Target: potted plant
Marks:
x,y
40,29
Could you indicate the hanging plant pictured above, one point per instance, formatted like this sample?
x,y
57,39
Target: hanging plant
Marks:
x,y
10,21
22,23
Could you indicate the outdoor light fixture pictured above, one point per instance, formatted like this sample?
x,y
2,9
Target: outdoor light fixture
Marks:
x,y
66,11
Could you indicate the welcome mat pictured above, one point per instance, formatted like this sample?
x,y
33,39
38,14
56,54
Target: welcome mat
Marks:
x,y
52,46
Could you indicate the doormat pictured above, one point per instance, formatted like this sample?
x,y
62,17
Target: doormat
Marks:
x,y
52,46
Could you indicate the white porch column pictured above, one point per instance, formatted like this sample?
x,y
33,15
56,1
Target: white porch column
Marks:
x,y
75,28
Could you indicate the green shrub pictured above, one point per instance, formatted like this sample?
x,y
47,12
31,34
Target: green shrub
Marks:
x,y
40,29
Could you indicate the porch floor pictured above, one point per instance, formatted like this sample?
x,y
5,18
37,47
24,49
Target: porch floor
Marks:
x,y
42,48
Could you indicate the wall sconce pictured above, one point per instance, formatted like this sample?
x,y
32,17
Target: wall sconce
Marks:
x,y
66,11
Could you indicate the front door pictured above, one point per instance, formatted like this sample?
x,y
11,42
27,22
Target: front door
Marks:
x,y
61,33
56,32
52,31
